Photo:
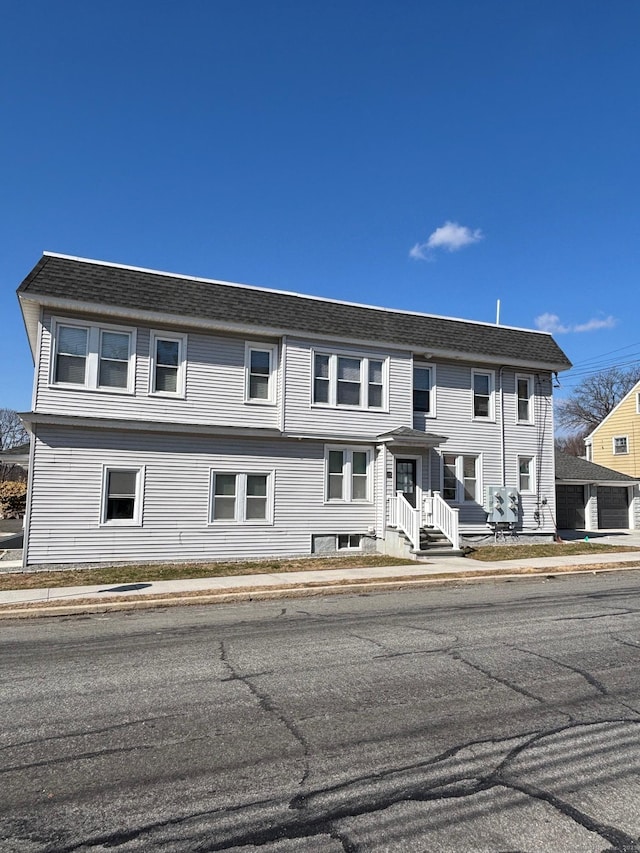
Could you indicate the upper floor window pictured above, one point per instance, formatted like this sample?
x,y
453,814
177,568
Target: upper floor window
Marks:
x,y
524,394
96,357
483,383
168,359
348,474
460,478
620,445
423,390
122,496
260,373
526,474
345,380
241,498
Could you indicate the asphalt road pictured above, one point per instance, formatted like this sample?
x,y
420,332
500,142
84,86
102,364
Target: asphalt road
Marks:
x,y
490,717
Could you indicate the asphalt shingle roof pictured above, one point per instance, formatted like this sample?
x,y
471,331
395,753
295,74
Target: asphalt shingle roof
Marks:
x,y
573,468
132,289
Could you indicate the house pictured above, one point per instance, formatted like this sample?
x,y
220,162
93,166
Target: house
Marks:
x,y
615,442
14,462
592,497
182,418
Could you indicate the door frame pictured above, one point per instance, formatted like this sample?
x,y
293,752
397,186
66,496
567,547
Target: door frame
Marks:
x,y
418,460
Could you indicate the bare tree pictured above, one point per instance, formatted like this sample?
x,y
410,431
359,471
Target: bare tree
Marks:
x,y
593,399
572,444
12,434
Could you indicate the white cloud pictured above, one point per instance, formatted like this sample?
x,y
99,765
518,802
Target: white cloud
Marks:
x,y
551,323
451,237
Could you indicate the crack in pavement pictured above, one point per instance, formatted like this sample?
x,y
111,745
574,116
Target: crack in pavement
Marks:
x,y
457,656
266,704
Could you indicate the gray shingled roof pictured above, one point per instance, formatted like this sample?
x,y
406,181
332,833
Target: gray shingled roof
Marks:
x,y
573,468
139,290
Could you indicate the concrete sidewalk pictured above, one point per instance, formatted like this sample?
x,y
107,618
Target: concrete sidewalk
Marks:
x,y
92,598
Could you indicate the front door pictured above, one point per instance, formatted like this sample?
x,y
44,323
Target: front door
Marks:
x,y
406,470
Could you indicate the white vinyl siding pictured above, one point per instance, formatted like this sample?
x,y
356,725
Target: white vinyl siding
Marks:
x,y
99,358
167,353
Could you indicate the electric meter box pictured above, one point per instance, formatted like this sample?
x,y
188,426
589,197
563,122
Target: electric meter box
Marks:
x,y
502,504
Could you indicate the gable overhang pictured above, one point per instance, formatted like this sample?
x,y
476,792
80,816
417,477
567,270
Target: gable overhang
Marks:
x,y
31,306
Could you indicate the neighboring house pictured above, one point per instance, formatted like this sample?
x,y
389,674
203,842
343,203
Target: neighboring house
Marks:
x,y
592,497
14,462
615,442
183,418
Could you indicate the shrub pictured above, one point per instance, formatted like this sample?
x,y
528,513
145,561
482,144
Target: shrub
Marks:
x,y
13,499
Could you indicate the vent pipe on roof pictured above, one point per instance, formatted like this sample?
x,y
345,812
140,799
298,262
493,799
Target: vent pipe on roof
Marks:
x,y
498,313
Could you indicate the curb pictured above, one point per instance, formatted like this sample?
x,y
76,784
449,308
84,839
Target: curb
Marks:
x,y
41,610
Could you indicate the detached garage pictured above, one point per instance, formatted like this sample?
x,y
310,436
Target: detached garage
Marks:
x,y
592,497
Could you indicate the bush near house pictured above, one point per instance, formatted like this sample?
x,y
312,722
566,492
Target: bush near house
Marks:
x,y
13,499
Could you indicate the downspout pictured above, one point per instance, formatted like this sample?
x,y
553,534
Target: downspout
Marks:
x,y
26,526
283,383
503,465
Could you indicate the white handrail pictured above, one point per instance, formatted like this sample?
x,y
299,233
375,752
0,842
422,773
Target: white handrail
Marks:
x,y
438,513
406,518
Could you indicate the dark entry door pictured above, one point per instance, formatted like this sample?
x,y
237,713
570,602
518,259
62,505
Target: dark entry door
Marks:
x,y
406,471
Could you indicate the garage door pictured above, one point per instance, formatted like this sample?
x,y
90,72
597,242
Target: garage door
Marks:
x,y
570,507
613,507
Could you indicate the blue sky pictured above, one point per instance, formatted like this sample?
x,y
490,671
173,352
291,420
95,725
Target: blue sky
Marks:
x,y
429,156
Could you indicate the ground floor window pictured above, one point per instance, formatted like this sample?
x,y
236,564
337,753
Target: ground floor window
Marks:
x,y
241,498
122,496
348,475
460,478
526,472
349,542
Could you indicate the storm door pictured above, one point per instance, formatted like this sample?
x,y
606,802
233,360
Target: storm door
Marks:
x,y
406,479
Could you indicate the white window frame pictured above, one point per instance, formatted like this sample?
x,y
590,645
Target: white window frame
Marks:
x,y
240,509
333,356
624,452
136,521
347,474
92,364
272,349
531,474
431,368
459,469
491,416
523,377
638,403
181,340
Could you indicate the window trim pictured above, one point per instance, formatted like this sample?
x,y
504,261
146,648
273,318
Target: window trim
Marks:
x,y
136,521
530,407
532,474
490,418
638,402
332,379
460,457
272,349
418,365
182,341
624,452
240,510
92,365
347,473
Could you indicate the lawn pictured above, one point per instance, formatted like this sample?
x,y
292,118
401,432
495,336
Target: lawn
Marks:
x,y
174,571
492,553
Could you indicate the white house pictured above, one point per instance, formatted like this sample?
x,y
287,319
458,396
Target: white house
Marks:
x,y
184,418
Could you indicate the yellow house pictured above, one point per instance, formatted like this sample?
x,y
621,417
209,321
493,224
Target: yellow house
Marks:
x,y
615,443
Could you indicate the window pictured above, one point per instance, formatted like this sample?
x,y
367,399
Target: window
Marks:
x,y
349,542
168,360
620,445
483,384
94,357
260,366
240,498
348,474
122,496
345,380
423,390
526,474
524,399
460,479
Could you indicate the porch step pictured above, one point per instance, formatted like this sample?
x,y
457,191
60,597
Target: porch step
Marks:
x,y
433,543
